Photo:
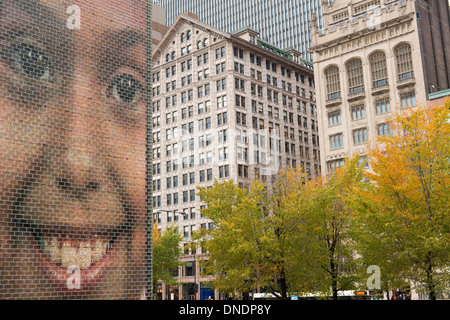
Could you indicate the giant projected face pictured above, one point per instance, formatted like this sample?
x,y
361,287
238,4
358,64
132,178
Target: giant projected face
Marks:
x,y
72,149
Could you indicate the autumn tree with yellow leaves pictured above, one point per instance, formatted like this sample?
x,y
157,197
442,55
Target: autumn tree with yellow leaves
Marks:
x,y
298,235
403,212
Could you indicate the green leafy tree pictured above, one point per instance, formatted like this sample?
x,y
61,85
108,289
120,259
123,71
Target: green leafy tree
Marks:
x,y
249,247
326,228
166,254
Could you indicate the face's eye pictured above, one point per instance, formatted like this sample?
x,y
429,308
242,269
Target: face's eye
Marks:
x,y
32,61
125,88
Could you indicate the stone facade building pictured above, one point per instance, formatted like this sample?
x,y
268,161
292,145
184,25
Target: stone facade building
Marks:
x,y
282,23
372,58
225,106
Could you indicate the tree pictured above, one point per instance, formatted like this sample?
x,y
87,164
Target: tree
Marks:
x,y
233,245
326,227
166,254
249,246
294,231
405,207
282,224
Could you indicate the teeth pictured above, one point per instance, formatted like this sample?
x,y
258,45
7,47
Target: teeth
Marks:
x,y
79,253
69,256
84,256
55,251
99,250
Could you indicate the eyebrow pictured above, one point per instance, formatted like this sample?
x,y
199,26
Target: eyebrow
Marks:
x,y
116,52
125,38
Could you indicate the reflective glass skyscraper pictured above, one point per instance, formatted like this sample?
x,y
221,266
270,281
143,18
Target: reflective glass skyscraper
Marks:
x,y
283,23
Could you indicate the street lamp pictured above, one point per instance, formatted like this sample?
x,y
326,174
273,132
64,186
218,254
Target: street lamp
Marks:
x,y
155,216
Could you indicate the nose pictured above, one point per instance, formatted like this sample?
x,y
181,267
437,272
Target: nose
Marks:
x,y
80,171
78,174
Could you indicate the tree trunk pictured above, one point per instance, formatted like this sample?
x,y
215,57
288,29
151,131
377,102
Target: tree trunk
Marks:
x,y
430,281
334,284
283,285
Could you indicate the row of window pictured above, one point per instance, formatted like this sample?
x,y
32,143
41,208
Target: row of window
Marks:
x,y
333,165
187,195
241,120
378,69
173,199
188,95
184,37
382,106
359,136
271,66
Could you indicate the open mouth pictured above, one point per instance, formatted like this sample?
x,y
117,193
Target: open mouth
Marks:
x,y
88,251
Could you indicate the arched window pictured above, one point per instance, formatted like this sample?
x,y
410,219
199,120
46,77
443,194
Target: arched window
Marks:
x,y
167,57
183,37
199,45
355,76
378,68
403,56
173,55
205,42
188,35
333,83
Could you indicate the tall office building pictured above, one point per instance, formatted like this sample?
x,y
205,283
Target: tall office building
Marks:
x,y
225,106
282,23
374,57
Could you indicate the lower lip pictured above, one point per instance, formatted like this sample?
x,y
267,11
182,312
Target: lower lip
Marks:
x,y
66,279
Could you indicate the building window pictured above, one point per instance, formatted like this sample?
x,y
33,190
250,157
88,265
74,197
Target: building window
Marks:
x,y
360,136
358,112
334,165
334,118
224,172
384,130
333,83
378,68
408,99
222,119
209,175
221,84
403,56
337,141
383,106
238,53
355,76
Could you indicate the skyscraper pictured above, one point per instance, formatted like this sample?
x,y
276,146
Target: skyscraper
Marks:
x,y
225,106
283,24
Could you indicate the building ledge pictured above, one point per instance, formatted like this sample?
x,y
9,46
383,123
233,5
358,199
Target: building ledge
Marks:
x,y
333,102
356,95
380,89
406,82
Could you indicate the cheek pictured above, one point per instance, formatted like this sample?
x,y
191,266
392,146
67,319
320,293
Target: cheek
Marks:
x,y
133,171
129,146
22,134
